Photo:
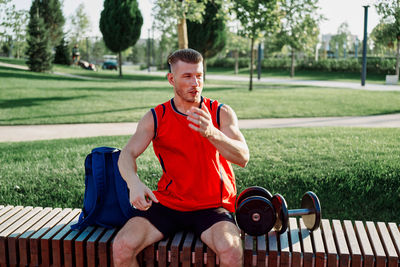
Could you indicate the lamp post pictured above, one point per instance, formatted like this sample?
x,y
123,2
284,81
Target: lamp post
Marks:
x,y
260,57
364,56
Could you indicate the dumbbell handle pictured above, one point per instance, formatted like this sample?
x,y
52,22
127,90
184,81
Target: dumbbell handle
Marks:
x,y
300,212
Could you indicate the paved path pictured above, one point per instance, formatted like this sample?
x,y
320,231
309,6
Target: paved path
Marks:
x,y
59,131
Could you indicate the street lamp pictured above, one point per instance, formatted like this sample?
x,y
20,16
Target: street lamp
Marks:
x,y
364,58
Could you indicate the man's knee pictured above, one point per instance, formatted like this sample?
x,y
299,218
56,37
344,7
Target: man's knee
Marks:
x,y
124,248
230,254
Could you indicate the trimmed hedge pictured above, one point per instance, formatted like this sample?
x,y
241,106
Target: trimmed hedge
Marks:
x,y
374,65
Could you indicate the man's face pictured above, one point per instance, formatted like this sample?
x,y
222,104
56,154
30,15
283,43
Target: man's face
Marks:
x,y
187,79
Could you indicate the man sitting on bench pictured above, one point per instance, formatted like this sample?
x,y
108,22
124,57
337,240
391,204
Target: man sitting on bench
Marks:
x,y
195,139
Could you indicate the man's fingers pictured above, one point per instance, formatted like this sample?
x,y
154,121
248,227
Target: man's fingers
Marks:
x,y
152,197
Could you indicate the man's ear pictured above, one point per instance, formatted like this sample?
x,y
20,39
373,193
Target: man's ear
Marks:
x,y
171,80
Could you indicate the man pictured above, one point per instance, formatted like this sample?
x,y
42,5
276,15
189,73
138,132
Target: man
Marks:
x,y
194,139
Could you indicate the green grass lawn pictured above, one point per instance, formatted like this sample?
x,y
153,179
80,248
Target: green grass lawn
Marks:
x,y
354,171
37,98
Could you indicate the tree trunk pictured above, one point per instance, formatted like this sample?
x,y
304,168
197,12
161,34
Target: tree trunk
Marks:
x,y
182,34
398,56
251,64
292,65
236,62
120,64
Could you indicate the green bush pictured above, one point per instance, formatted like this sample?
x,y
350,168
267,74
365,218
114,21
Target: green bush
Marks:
x,y
353,65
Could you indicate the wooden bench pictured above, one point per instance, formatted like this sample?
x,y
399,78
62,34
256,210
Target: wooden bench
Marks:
x,y
32,236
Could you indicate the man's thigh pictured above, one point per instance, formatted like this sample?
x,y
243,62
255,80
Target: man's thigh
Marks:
x,y
138,233
221,235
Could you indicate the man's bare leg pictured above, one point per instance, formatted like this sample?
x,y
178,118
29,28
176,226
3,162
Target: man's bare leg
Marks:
x,y
137,234
224,239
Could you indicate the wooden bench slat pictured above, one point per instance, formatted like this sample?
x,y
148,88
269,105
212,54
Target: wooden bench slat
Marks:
x,y
320,254
380,256
392,258
330,244
261,250
45,241
105,256
395,235
35,248
14,218
92,255
13,239
308,253
4,211
343,250
163,251
248,250
4,249
24,239
366,249
199,253
296,243
285,260
176,243
354,248
80,246
273,249
10,212
149,255
57,242
186,255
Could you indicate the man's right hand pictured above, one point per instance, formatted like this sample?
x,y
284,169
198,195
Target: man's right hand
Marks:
x,y
141,197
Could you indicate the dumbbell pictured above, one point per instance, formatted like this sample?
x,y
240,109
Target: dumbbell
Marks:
x,y
255,213
310,212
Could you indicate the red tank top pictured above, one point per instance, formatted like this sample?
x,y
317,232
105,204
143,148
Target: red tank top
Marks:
x,y
195,175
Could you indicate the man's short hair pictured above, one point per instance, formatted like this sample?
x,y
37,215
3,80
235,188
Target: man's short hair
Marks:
x,y
186,55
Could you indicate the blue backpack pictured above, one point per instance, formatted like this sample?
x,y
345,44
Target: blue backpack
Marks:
x,y
106,201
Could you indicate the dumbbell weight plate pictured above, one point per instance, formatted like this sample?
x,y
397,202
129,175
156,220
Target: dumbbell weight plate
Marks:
x,y
253,191
255,215
311,201
281,213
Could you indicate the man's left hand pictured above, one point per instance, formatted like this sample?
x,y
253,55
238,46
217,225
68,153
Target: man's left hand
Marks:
x,y
201,121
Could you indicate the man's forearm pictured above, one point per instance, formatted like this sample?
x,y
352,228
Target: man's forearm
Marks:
x,y
232,150
128,168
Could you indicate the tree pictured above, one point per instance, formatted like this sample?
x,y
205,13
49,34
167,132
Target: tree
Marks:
x,y
14,23
341,39
120,23
39,48
237,45
256,17
80,24
208,37
383,40
299,26
389,10
62,55
50,11
179,11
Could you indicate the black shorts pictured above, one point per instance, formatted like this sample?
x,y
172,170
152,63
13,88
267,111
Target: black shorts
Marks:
x,y
169,221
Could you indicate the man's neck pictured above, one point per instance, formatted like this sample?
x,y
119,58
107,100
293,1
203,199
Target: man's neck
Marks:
x,y
183,106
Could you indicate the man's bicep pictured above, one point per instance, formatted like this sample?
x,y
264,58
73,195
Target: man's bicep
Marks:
x,y
229,123
141,139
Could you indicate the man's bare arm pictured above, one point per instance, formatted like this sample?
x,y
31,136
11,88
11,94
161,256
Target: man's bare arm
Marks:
x,y
140,195
228,140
